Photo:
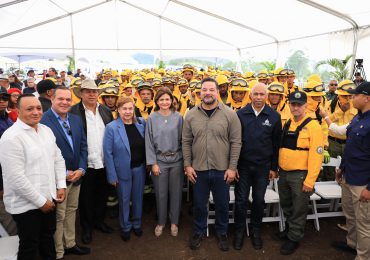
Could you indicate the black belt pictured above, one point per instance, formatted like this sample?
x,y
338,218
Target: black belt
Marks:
x,y
340,141
168,154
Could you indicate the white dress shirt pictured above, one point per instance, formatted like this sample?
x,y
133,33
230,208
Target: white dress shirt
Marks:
x,y
95,133
33,167
338,130
257,112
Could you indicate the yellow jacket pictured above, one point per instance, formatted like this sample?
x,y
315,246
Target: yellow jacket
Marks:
x,y
144,110
309,137
341,118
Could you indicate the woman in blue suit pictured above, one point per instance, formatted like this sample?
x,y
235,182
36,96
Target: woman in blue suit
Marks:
x,y
124,156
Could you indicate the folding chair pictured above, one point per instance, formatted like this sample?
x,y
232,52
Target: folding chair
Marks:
x,y
271,199
8,245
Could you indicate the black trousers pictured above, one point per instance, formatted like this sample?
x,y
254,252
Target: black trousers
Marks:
x,y
36,230
93,198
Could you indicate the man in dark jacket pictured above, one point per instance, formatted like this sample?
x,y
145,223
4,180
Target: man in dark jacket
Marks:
x,y
5,218
46,89
94,187
258,162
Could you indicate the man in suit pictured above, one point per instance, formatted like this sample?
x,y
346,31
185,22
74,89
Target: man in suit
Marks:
x,y
94,187
71,140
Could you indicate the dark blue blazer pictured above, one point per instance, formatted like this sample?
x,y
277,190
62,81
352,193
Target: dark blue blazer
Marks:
x,y
77,157
116,147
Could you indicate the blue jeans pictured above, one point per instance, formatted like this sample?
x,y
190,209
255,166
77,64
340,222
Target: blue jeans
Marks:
x,y
211,180
256,177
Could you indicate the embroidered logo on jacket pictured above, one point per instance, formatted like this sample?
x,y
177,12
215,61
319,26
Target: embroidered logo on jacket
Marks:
x,y
266,123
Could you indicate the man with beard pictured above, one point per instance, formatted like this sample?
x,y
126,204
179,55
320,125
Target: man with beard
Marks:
x,y
211,142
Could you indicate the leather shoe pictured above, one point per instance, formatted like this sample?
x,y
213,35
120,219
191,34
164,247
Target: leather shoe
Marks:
x,y
342,246
125,235
238,240
256,241
138,232
77,250
222,242
289,247
104,228
86,236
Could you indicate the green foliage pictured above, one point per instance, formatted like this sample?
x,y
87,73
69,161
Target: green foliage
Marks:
x,y
268,65
299,63
161,64
71,63
340,68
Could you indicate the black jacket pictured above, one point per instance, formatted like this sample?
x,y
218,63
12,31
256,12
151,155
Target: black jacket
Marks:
x,y
260,137
104,112
45,104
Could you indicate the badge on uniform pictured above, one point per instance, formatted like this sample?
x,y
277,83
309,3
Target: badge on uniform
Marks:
x,y
319,150
266,123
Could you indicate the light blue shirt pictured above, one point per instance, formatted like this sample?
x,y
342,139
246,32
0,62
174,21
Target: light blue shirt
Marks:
x,y
61,122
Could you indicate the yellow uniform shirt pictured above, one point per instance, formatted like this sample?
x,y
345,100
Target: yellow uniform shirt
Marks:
x,y
311,138
341,118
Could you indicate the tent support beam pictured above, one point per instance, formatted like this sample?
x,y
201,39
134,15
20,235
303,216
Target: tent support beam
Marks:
x,y
52,19
343,17
12,3
225,19
72,40
177,23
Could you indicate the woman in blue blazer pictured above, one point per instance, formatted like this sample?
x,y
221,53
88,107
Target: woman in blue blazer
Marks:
x,y
124,156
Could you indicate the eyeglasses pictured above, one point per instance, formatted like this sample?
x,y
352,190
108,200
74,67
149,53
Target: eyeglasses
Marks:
x,y
15,95
333,84
276,88
318,88
66,126
239,82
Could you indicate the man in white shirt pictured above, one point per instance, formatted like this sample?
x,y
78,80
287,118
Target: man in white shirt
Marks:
x,y
34,179
94,186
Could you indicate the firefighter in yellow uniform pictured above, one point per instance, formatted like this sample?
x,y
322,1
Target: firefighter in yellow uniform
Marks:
x,y
109,97
276,100
239,94
263,76
341,112
188,72
315,102
300,158
75,83
289,84
144,105
223,87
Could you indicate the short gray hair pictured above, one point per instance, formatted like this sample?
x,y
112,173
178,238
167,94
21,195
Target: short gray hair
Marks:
x,y
259,84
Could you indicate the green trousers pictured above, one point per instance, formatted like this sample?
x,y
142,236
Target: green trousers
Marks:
x,y
335,149
294,202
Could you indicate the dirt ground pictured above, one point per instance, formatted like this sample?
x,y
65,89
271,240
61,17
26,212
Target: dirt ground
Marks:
x,y
316,245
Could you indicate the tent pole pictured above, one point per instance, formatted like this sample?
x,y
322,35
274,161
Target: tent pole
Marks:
x,y
73,41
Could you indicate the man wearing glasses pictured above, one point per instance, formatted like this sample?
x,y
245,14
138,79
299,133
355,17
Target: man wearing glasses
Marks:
x,y
71,140
333,84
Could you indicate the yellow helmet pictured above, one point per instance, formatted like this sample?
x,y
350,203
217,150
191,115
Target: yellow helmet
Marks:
x,y
252,83
136,80
193,83
182,82
281,72
276,88
239,84
221,79
345,85
249,75
314,89
314,77
149,76
187,67
76,82
262,74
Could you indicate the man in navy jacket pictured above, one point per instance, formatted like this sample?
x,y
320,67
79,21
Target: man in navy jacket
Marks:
x,y
258,162
71,140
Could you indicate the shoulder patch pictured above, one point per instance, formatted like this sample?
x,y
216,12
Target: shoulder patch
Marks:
x,y
319,150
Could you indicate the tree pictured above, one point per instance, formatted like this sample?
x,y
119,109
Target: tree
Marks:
x,y
299,63
268,65
71,63
340,67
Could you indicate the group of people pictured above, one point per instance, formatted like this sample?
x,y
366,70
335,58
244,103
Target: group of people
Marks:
x,y
71,144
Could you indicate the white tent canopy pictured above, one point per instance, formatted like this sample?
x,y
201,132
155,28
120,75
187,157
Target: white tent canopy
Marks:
x,y
234,29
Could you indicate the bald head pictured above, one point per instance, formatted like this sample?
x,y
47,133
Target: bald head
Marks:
x,y
258,95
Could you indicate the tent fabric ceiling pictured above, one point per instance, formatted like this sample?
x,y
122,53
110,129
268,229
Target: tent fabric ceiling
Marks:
x,y
163,24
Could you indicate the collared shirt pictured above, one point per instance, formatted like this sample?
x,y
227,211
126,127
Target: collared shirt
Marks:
x,y
33,167
67,130
330,95
255,111
211,143
356,157
95,133
341,118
